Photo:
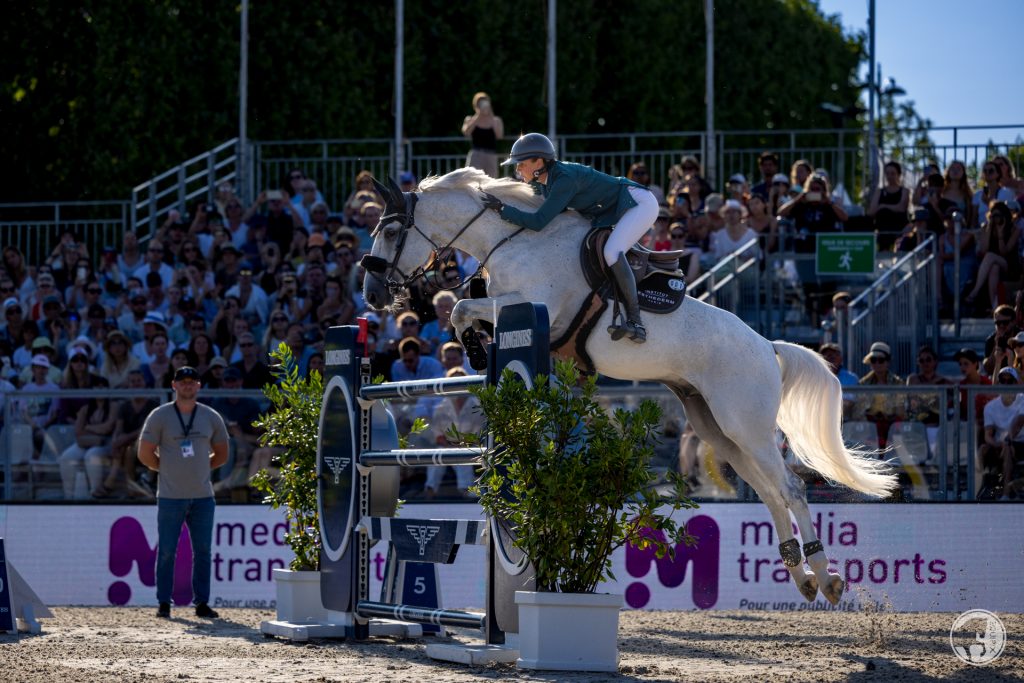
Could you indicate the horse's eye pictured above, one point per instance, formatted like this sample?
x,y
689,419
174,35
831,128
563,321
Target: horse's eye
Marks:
x,y
391,232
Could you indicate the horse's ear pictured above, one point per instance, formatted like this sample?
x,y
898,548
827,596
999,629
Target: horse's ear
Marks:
x,y
397,193
382,190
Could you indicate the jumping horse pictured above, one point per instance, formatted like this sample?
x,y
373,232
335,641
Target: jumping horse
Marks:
x,y
735,386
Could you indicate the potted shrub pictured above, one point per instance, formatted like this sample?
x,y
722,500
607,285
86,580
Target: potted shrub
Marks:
x,y
291,424
575,482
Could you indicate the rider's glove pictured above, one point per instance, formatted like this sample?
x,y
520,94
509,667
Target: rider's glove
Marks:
x,y
491,202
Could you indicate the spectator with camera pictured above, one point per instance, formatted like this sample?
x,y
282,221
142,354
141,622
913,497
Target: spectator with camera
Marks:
x,y
813,212
799,172
65,257
484,128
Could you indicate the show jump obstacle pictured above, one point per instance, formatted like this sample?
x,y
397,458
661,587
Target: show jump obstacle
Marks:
x,y
358,480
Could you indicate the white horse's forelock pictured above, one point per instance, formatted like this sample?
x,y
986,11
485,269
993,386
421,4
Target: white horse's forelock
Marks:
x,y
473,180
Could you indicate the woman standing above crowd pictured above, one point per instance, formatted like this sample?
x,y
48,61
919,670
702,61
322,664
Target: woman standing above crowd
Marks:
x,y
889,205
484,129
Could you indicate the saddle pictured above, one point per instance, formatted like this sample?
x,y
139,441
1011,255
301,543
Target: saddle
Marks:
x,y
660,286
660,283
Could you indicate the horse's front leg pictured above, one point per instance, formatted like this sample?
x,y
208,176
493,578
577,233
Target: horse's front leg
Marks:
x,y
466,318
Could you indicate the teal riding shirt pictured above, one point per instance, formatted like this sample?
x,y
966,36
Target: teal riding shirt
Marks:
x,y
599,197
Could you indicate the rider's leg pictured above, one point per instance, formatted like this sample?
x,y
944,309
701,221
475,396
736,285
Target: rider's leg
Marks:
x,y
632,226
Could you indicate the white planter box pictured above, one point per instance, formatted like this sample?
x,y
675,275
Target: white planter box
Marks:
x,y
568,631
298,597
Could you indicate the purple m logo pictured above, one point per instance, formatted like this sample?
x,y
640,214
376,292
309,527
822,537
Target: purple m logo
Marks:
x,y
129,545
672,573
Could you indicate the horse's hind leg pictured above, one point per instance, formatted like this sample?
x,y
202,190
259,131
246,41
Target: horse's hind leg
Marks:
x,y
769,481
831,584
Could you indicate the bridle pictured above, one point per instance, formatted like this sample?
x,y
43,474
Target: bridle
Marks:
x,y
388,271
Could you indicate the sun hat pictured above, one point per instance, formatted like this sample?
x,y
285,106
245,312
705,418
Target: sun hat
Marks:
x,y
41,360
878,348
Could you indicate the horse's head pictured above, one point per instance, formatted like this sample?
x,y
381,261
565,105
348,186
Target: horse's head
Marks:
x,y
399,249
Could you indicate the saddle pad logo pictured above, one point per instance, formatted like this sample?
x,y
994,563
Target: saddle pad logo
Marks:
x,y
422,535
677,284
337,466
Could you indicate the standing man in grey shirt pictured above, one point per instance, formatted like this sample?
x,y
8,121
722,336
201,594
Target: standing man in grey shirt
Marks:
x,y
184,441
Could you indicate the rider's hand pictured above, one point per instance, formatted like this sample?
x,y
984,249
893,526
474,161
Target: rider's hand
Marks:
x,y
490,201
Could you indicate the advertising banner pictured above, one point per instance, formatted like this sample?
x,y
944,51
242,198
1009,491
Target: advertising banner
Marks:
x,y
927,557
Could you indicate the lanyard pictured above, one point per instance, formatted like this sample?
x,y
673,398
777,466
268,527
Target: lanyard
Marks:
x,y
181,420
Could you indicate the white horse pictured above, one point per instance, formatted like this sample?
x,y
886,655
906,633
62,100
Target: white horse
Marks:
x,y
734,384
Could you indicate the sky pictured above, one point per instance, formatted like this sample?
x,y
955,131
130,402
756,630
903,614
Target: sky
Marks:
x,y
958,61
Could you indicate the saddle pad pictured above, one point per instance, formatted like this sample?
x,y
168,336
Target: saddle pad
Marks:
x,y
659,292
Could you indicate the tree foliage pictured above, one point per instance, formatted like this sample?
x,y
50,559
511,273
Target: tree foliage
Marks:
x,y
97,97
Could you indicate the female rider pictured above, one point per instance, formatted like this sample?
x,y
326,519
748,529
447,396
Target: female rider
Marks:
x,y
603,199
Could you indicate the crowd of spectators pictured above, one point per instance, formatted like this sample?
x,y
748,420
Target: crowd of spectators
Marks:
x,y
786,212
998,418
218,289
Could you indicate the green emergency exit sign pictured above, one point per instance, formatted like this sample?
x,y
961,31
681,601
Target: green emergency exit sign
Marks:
x,y
848,253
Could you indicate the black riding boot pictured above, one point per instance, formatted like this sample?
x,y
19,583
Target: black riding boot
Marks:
x,y
631,324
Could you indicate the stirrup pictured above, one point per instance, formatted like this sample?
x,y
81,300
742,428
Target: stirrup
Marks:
x,y
636,331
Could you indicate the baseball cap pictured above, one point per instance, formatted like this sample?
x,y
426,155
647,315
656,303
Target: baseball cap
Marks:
x,y
41,360
51,300
780,178
42,343
1011,372
737,178
232,373
407,177
186,372
11,303
663,211
155,318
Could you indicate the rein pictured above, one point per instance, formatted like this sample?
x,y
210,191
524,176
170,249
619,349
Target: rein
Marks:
x,y
376,265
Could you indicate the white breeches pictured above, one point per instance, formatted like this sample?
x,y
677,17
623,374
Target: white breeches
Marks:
x,y
633,224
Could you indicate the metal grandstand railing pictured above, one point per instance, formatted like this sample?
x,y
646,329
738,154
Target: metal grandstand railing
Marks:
x,y
35,228
900,308
176,188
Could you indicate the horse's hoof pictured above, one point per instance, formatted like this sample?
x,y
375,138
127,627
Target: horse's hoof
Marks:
x,y
833,590
809,588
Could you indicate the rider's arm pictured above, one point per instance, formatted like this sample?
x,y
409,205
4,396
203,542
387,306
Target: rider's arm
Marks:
x,y
561,193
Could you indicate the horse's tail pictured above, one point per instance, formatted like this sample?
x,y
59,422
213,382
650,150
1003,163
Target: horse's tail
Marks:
x,y
811,416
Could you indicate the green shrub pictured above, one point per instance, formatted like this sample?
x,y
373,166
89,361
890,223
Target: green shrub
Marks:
x,y
573,480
